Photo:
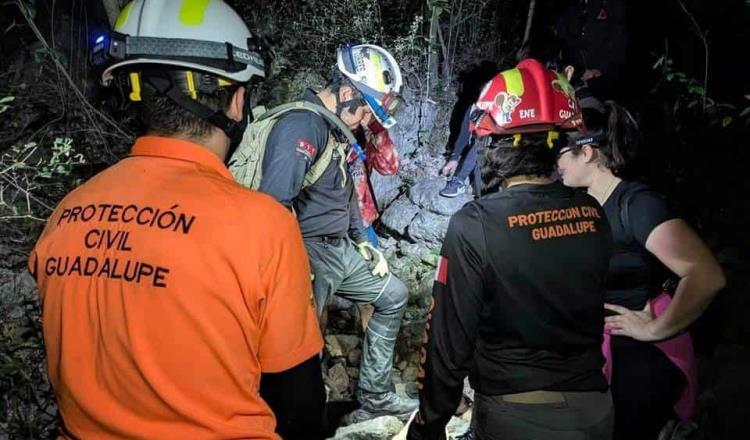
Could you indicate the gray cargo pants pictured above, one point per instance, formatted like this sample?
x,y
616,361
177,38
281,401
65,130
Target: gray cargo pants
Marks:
x,y
339,268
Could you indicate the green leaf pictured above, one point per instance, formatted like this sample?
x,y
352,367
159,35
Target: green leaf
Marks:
x,y
745,112
726,120
7,99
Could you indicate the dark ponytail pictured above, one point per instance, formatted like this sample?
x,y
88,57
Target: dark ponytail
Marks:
x,y
624,138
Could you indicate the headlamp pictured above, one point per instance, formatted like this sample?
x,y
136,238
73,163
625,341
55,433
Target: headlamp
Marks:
x,y
392,103
384,117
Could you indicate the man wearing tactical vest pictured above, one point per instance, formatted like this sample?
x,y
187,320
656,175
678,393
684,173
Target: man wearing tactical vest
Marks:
x,y
518,299
167,288
304,167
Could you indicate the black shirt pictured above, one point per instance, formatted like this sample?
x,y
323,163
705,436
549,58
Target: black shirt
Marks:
x,y
635,275
326,208
519,298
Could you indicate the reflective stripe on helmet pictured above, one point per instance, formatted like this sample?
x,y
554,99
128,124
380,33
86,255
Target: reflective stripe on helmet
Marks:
x,y
192,12
122,19
513,81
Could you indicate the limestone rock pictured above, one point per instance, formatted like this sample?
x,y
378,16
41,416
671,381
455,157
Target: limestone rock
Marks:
x,y
399,215
348,343
458,426
338,381
428,227
354,357
379,428
410,374
385,188
426,194
333,347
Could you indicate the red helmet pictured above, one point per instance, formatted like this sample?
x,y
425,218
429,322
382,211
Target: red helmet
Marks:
x,y
529,98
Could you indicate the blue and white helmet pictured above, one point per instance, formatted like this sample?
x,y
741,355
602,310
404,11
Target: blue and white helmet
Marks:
x,y
374,72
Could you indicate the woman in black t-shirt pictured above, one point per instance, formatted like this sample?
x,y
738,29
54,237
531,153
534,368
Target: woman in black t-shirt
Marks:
x,y
650,242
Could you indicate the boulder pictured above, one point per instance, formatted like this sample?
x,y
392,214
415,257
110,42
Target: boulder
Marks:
x,y
354,357
399,215
428,227
379,428
333,347
425,193
338,381
385,188
348,343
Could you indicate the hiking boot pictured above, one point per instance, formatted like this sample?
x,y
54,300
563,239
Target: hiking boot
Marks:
x,y
453,188
382,404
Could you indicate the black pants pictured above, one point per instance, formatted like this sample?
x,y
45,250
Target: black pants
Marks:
x,y
645,386
583,416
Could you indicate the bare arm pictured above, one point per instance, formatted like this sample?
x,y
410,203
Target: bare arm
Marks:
x,y
679,248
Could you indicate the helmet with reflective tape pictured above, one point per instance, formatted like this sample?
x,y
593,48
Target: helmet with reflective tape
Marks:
x,y
529,98
201,35
374,72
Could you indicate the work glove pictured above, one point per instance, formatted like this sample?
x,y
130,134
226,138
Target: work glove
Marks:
x,y
404,433
371,254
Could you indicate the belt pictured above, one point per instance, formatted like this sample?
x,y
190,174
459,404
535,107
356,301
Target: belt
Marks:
x,y
539,396
332,239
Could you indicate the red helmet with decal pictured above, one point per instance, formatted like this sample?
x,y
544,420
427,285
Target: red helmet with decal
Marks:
x,y
528,98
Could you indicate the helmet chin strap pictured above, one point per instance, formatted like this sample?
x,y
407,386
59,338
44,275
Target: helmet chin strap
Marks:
x,y
231,128
351,104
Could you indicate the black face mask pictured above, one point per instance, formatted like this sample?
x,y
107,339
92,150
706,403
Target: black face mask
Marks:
x,y
238,129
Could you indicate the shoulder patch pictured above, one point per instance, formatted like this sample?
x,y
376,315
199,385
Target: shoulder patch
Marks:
x,y
306,148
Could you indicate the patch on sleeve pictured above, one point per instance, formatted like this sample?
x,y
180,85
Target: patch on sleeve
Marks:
x,y
306,149
441,276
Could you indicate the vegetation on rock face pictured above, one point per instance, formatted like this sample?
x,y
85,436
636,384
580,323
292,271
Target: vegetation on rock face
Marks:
x,y
58,128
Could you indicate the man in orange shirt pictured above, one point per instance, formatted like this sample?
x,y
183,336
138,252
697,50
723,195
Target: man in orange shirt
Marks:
x,y
168,290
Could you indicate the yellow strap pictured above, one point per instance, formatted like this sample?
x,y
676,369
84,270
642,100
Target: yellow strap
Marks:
x,y
517,139
191,84
135,87
552,136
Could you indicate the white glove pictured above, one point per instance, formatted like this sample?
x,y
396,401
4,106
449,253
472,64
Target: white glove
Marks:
x,y
370,253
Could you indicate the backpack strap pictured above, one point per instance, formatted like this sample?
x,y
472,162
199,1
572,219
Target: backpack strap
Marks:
x,y
319,166
321,111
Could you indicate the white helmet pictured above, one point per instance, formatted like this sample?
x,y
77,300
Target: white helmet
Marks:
x,y
374,72
206,36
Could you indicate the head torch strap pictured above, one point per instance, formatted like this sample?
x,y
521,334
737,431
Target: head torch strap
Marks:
x,y
589,138
125,46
